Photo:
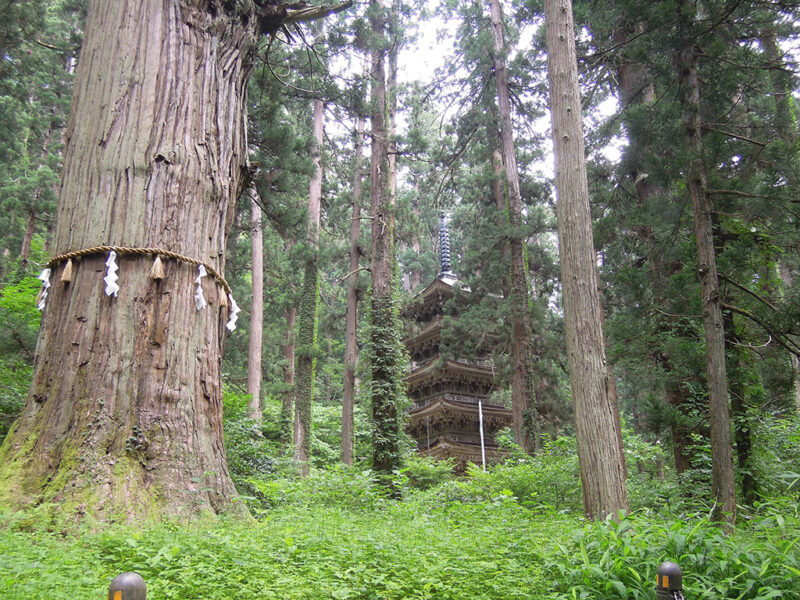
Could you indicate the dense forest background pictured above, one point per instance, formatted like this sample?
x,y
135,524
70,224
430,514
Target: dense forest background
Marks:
x,y
637,62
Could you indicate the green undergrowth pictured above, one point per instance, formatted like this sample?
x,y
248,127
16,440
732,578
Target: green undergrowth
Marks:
x,y
347,541
758,560
399,550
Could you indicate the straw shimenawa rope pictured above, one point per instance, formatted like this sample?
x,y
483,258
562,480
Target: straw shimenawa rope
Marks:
x,y
122,250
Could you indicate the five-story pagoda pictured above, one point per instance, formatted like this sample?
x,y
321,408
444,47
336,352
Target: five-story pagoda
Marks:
x,y
451,415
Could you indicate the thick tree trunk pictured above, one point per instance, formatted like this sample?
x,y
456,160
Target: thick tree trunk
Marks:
x,y
351,318
724,483
522,377
256,312
385,361
307,333
124,416
602,464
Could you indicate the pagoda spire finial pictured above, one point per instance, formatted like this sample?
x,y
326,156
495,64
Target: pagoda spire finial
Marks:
x,y
444,250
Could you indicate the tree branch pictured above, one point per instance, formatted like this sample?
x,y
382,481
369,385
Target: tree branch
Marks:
x,y
781,340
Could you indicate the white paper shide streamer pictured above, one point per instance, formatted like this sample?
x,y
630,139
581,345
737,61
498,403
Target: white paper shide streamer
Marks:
x,y
112,289
44,276
199,299
235,310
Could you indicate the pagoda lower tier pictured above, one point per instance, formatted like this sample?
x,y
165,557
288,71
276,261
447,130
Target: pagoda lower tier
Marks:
x,y
449,426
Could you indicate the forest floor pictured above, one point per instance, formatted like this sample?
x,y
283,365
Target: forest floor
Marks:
x,y
418,548
398,551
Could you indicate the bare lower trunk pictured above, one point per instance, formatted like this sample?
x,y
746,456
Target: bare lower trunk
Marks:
x,y
124,415
602,464
522,378
351,319
680,438
25,249
724,484
287,406
256,312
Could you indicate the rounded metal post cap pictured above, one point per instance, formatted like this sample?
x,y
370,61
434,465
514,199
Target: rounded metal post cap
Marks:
x,y
127,586
668,577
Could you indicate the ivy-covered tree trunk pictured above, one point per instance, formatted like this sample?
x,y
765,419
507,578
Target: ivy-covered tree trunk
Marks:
x,y
124,415
385,339
723,481
256,311
602,463
307,333
522,376
351,318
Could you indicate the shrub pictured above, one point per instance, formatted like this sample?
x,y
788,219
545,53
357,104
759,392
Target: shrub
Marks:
x,y
15,379
619,559
546,482
425,472
249,453
342,486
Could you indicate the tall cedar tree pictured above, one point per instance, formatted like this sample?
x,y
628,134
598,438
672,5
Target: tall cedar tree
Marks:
x,y
723,480
307,333
351,318
124,415
602,463
522,378
385,331
256,309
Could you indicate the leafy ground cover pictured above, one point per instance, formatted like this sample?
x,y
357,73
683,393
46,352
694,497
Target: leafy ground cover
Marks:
x,y
423,547
400,550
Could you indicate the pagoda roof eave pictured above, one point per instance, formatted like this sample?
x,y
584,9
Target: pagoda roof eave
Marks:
x,y
452,366
489,410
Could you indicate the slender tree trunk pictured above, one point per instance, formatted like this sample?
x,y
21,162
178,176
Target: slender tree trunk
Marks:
x,y
786,126
680,439
498,188
287,406
385,341
602,464
351,318
522,377
35,208
416,272
306,358
391,97
741,426
124,416
256,312
25,249
724,483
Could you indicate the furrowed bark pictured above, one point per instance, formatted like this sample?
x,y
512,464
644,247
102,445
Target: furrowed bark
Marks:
x,y
722,474
256,312
124,416
602,463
